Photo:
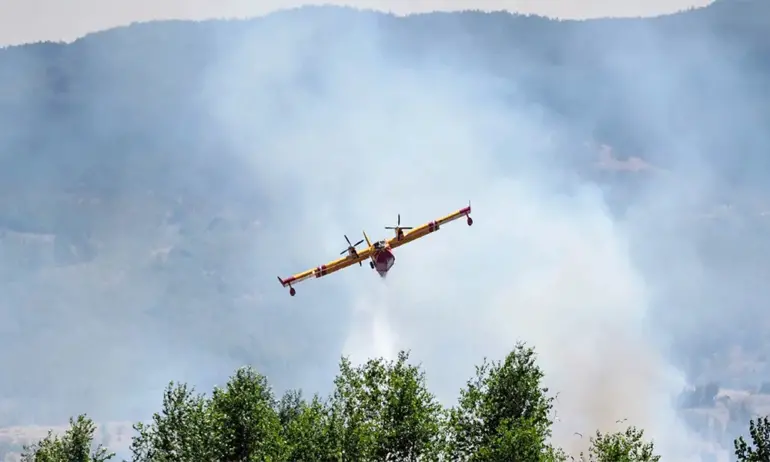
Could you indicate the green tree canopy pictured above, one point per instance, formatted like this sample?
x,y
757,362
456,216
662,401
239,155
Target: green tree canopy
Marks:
x,y
244,413
759,448
378,411
76,445
628,446
307,428
182,430
385,411
504,412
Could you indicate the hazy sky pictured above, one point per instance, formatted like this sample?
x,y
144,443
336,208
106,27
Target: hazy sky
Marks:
x,y
34,20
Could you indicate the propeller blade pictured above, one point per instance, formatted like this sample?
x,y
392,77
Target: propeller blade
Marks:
x,y
391,227
406,227
351,246
399,220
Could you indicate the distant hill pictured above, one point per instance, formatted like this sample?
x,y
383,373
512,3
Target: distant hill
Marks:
x,y
131,234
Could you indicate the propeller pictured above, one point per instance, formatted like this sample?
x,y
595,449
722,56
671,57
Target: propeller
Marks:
x,y
351,247
398,226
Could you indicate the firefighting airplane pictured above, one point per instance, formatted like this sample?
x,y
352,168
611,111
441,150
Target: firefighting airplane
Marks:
x,y
379,253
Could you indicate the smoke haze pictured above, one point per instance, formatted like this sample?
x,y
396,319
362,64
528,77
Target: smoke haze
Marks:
x,y
336,130
546,265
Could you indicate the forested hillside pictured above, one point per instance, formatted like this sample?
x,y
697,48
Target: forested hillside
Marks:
x,y
155,178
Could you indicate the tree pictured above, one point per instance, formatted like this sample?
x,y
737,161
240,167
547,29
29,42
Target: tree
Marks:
x,y
244,414
237,423
351,426
411,418
74,446
379,411
628,446
759,450
184,430
306,428
504,413
382,410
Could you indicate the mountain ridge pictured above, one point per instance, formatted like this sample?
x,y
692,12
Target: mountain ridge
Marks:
x,y
114,207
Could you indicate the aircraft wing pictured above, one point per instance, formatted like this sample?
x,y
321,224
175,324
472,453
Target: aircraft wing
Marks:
x,y
325,270
427,228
